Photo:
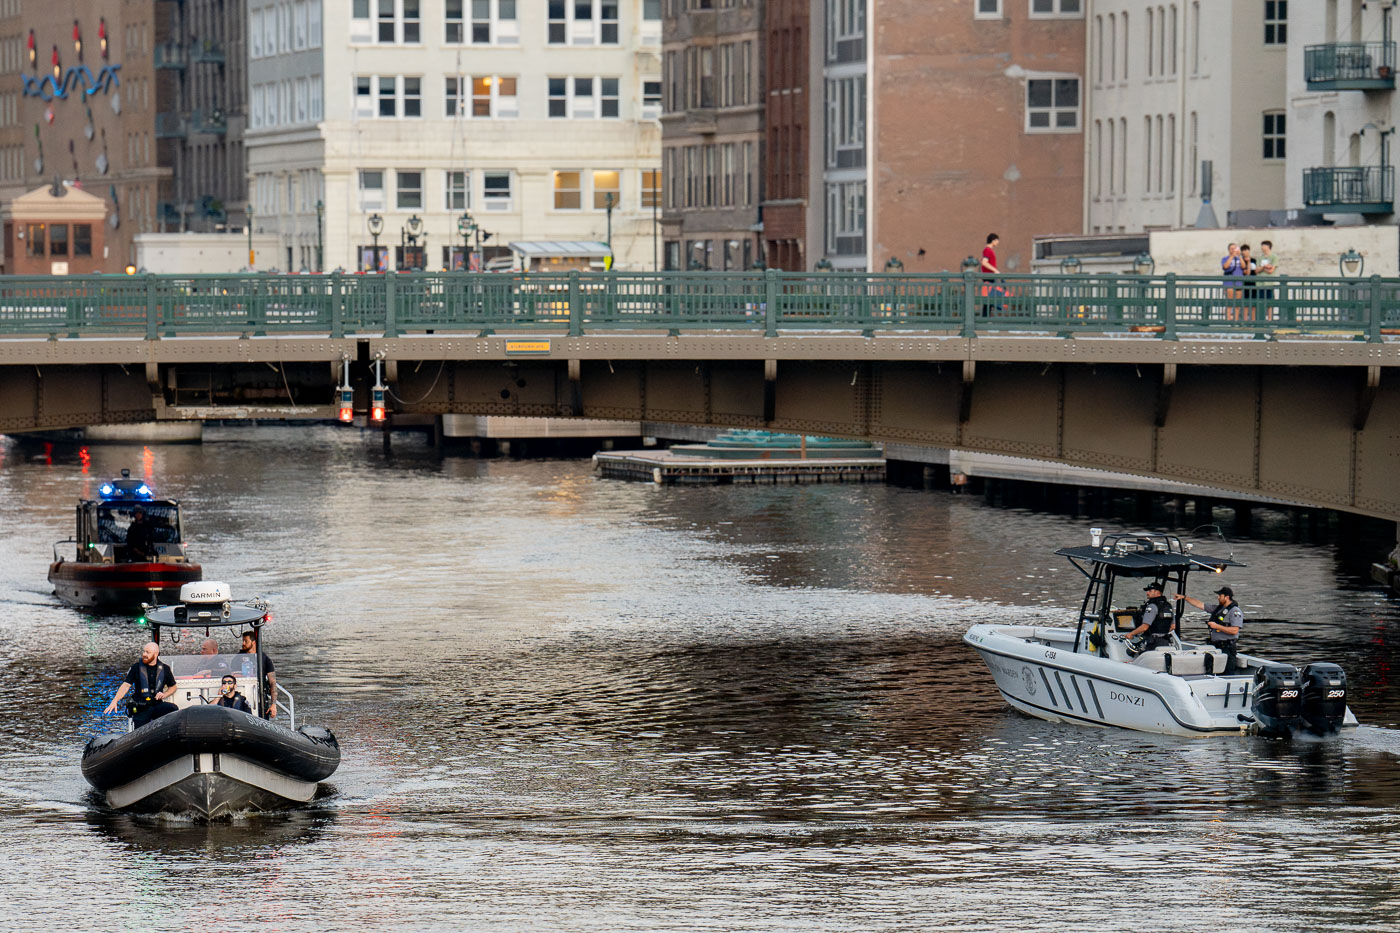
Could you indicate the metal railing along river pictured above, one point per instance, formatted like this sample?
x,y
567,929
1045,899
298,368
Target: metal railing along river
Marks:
x,y
767,302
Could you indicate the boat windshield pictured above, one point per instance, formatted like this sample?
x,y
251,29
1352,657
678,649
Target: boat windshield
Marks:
x,y
113,518
196,666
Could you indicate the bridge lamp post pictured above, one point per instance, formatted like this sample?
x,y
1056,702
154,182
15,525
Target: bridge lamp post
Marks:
x,y
894,265
970,264
608,206
465,228
376,227
1144,264
1070,265
824,265
1351,264
249,212
320,223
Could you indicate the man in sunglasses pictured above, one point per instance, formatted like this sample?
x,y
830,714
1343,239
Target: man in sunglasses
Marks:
x,y
230,697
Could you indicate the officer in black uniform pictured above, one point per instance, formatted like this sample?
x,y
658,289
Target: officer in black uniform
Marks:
x,y
230,697
1158,618
1225,621
153,682
140,537
250,646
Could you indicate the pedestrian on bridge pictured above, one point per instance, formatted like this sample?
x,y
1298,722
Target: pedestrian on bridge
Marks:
x,y
989,265
1233,266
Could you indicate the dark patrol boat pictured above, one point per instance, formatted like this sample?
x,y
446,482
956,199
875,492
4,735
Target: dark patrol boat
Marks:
x,y
104,571
205,760
1094,674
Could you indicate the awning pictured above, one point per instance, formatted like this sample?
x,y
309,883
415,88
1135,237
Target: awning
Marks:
x,y
580,249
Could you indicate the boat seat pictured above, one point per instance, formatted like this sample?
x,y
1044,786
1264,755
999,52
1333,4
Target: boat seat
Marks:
x,y
1154,660
1187,662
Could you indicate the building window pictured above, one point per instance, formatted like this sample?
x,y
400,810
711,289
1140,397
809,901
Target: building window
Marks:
x,y
651,188
387,98
845,122
453,22
1052,105
568,194
1057,8
1274,135
455,195
1275,22
651,100
583,22
845,218
58,240
845,30
492,96
986,9
82,240
590,97
607,183
413,97
453,96
412,23
371,189
408,190
495,190
35,239
396,21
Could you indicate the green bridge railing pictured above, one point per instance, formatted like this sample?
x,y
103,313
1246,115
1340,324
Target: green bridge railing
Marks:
x,y
765,302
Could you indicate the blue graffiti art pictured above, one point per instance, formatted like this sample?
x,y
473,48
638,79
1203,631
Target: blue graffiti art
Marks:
x,y
78,76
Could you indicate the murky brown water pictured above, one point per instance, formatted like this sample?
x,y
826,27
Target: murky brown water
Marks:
x,y
575,704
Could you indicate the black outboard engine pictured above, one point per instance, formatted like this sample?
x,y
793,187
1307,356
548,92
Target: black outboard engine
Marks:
x,y
1278,700
1324,697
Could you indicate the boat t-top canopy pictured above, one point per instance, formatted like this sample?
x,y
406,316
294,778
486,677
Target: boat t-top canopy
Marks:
x,y
1144,554
207,605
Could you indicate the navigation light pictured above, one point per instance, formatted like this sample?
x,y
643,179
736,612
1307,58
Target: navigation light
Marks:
x,y
347,405
143,490
107,489
376,406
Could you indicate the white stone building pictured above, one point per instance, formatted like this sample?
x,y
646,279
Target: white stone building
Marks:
x,y
1342,111
1172,85
527,114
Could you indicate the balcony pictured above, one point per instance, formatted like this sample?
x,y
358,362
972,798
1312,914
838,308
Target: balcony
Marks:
x,y
170,126
207,53
1364,189
209,121
170,56
1350,66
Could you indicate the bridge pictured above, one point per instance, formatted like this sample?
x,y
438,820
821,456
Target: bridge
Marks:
x,y
1288,389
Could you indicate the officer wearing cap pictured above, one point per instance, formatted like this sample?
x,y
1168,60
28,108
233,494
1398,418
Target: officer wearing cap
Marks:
x,y
1225,621
1158,618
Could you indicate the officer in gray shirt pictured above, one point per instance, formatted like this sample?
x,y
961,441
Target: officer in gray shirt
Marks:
x,y
1225,621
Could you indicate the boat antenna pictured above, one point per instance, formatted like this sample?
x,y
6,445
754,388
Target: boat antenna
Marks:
x,y
1219,534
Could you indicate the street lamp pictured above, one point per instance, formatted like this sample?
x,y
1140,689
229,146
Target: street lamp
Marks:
x,y
970,264
1070,265
894,265
320,223
824,265
1351,264
408,240
249,212
608,206
1144,263
465,226
376,227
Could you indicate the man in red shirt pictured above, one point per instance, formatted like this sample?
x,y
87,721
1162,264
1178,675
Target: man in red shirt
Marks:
x,y
989,254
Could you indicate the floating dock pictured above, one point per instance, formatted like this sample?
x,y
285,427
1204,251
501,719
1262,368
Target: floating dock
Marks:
x,y
666,468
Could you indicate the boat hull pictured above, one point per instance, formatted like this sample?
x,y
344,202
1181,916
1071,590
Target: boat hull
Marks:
x,y
208,762
1038,672
120,586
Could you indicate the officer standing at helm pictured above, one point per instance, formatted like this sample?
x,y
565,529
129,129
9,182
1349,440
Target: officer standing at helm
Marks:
x,y
1158,618
1225,620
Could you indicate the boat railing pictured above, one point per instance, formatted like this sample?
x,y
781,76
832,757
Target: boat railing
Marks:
x,y
72,541
290,707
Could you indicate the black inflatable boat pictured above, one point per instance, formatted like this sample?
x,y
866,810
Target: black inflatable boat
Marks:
x,y
210,761
201,758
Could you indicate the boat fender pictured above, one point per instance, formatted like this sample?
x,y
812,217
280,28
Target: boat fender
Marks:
x,y
99,742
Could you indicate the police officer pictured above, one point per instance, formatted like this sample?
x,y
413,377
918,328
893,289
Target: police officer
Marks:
x,y
230,697
1158,618
1225,621
153,682
250,646
140,537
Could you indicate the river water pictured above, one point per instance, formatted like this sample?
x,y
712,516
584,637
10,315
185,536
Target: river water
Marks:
x,y
568,703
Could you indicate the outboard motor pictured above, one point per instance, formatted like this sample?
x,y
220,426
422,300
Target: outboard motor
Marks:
x,y
1324,697
1278,703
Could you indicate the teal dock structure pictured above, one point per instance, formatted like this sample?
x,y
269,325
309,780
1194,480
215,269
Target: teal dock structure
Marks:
x,y
768,302
750,457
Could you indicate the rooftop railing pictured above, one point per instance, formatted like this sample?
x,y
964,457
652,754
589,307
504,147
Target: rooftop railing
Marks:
x,y
1350,189
576,303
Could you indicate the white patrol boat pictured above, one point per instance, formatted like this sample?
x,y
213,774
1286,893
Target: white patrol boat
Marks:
x,y
205,759
1093,674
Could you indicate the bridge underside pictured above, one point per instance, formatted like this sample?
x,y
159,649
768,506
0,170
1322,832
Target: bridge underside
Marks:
x,y
1321,432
